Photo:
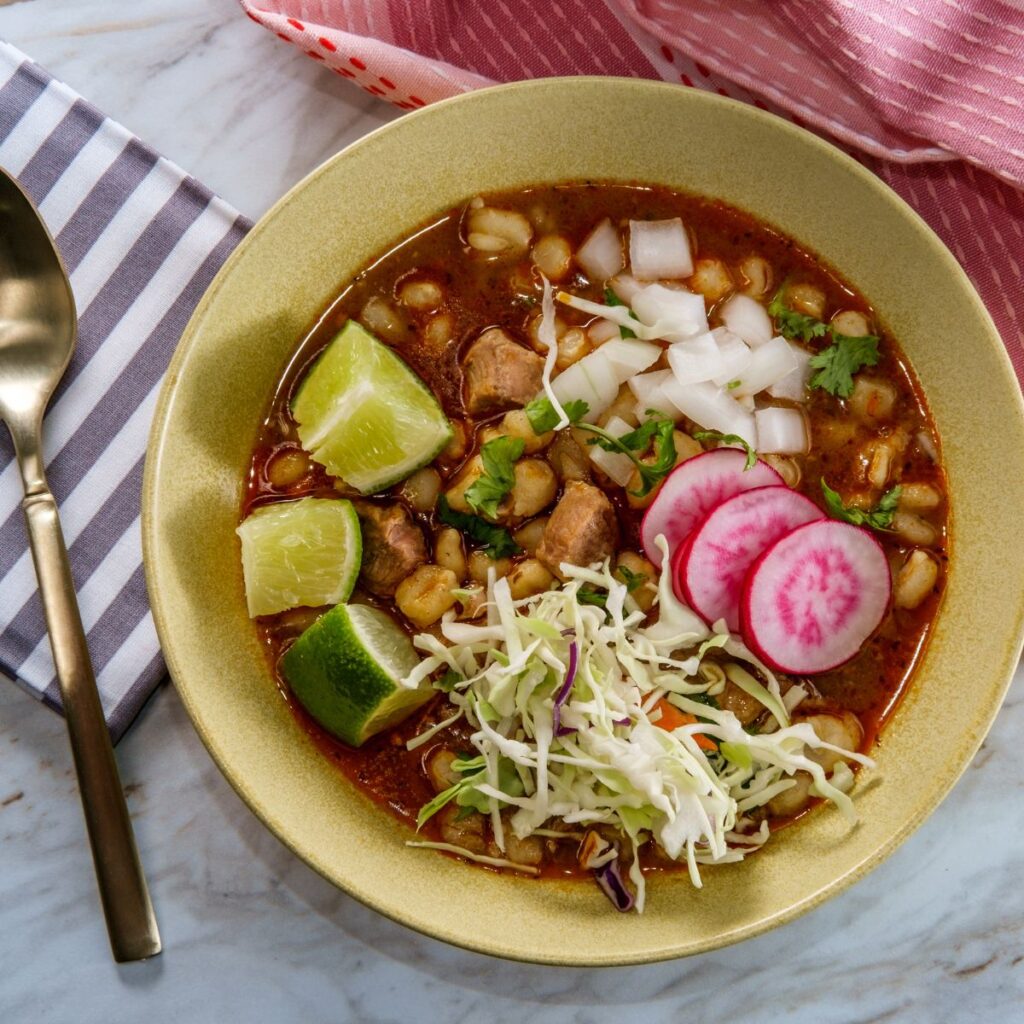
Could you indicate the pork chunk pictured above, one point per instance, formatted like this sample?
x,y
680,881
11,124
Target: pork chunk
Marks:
x,y
500,373
393,546
581,530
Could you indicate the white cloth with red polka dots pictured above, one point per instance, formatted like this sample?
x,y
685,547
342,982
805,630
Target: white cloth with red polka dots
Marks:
x,y
930,96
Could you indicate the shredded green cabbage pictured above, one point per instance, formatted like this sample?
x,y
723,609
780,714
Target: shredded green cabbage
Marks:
x,y
614,765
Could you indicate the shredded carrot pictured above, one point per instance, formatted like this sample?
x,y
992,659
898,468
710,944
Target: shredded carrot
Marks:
x,y
672,718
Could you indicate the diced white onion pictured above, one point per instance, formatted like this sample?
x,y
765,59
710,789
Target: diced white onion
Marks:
x,y
659,249
696,359
600,255
747,318
601,331
625,287
616,465
592,379
630,357
546,336
768,365
677,314
781,431
735,355
655,401
644,383
647,388
794,385
710,407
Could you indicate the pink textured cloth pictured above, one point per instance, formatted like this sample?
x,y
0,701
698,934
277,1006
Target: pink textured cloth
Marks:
x,y
929,94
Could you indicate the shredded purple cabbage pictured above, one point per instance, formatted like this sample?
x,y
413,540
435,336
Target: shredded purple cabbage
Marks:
x,y
563,694
609,878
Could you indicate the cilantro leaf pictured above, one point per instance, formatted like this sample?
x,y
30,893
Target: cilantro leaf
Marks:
x,y
497,542
448,681
611,299
703,698
542,416
792,324
591,595
630,578
878,518
656,431
499,456
714,435
841,360
836,364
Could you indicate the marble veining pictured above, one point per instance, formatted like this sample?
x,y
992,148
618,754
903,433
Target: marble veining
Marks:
x,y
935,934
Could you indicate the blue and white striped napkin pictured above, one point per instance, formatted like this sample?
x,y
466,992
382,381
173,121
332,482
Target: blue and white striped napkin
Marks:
x,y
141,241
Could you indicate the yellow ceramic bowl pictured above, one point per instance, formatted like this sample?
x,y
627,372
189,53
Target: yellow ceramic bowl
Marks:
x,y
350,210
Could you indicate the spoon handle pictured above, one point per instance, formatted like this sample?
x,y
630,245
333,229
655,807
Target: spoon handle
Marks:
x,y
131,923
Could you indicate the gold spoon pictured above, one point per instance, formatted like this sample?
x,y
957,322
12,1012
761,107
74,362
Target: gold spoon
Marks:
x,y
37,337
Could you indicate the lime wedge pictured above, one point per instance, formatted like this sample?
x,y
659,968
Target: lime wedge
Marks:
x,y
300,553
345,670
365,415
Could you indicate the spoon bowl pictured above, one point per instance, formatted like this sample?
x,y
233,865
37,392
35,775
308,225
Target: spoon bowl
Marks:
x,y
37,308
37,338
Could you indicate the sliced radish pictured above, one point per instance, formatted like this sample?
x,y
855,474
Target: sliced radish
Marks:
x,y
658,249
600,255
813,598
747,318
730,538
630,357
693,489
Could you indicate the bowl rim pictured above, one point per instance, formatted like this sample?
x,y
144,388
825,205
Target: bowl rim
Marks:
x,y
158,435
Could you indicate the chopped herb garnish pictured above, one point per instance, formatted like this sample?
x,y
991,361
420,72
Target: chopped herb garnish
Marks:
x,y
590,595
703,698
497,542
733,384
714,435
656,431
792,324
836,364
448,681
630,578
841,360
611,299
542,416
878,518
498,456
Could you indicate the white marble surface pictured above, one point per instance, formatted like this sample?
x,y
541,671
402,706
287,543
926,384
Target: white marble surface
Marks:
x,y
936,934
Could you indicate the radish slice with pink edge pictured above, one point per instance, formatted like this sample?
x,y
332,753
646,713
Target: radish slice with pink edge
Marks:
x,y
711,568
693,489
813,598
